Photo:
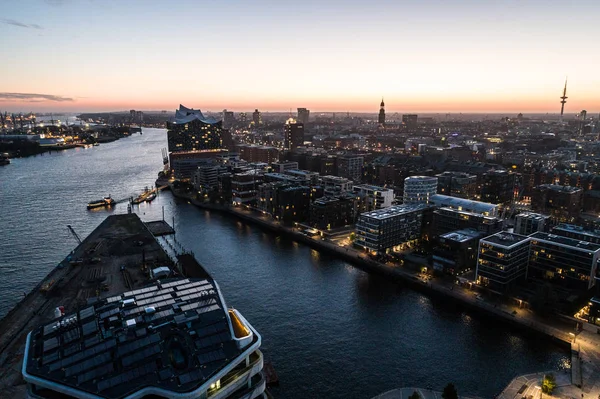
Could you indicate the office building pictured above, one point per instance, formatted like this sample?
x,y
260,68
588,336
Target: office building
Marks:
x,y
350,166
371,198
333,211
565,262
502,260
228,119
258,153
410,122
456,251
184,164
293,134
577,233
562,203
303,115
497,187
381,230
244,187
457,184
206,178
446,220
256,118
460,204
311,178
335,185
527,223
281,167
172,339
419,189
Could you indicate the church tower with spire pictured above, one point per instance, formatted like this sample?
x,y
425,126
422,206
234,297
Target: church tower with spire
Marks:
x,y
382,113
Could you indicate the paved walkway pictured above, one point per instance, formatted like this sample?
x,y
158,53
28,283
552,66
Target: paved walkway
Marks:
x,y
404,393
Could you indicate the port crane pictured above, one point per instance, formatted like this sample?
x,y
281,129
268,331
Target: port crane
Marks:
x,y
74,234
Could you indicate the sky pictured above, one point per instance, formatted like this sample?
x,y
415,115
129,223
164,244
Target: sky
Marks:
x,y
420,56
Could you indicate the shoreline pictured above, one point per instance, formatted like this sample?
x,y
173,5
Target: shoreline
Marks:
x,y
583,348
398,273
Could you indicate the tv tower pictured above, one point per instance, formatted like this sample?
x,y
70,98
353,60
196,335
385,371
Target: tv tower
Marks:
x,y
563,101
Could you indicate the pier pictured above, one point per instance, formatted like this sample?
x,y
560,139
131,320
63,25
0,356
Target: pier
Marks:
x,y
114,258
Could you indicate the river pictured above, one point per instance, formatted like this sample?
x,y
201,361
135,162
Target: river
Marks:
x,y
331,330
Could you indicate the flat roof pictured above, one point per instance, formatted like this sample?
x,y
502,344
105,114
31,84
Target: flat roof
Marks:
x,y
371,187
559,188
173,336
461,235
392,211
577,229
532,215
566,241
505,239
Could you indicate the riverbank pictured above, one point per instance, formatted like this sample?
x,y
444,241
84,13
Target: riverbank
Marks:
x,y
585,370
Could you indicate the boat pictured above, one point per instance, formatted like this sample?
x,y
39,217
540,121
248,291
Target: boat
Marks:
x,y
4,160
96,144
151,197
106,201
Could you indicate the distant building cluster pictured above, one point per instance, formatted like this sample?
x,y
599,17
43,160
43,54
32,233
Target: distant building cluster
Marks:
x,y
485,198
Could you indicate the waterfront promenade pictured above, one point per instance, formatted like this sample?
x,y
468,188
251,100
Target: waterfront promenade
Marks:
x,y
404,393
585,370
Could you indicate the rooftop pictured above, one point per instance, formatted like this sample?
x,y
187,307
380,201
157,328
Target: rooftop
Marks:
x,y
166,338
532,215
463,204
371,187
185,115
392,211
577,229
558,188
505,239
565,241
461,235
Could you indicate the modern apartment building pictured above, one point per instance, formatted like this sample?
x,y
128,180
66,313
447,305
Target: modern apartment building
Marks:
x,y
380,230
563,261
373,197
502,260
419,189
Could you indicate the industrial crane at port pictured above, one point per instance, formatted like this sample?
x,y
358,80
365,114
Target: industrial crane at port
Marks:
x,y
74,234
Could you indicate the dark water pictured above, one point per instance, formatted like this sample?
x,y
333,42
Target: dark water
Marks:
x,y
330,330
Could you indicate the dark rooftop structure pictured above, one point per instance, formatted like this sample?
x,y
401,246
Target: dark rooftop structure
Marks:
x,y
171,338
565,241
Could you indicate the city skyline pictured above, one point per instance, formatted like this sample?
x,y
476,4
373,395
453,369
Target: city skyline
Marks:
x,y
430,57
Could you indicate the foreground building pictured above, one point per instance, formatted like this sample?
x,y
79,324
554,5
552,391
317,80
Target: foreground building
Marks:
x,y
175,339
381,230
502,260
566,262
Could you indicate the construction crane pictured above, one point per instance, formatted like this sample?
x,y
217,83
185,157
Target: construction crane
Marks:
x,y
74,234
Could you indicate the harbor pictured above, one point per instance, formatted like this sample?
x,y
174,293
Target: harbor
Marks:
x,y
275,280
116,257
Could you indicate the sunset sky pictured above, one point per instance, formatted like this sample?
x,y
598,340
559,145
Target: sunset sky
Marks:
x,y
427,55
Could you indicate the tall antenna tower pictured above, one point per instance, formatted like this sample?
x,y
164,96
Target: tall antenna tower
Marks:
x,y
563,101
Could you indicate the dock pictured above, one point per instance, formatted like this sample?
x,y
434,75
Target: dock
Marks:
x,y
116,257
160,228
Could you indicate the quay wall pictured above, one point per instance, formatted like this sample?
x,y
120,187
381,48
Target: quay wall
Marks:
x,y
410,279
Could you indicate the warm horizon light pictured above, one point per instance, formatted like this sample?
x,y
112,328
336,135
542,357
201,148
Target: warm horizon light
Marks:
x,y
428,56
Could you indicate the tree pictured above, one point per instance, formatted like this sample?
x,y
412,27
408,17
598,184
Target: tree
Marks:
x,y
450,392
548,384
415,395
